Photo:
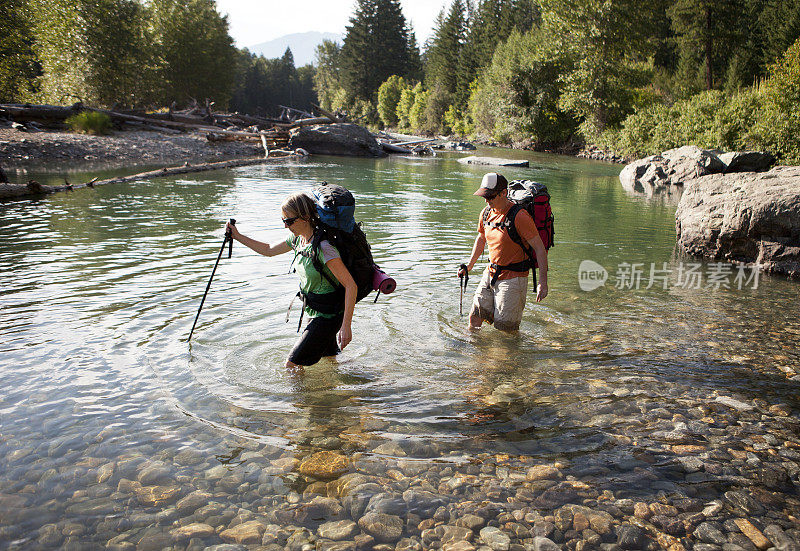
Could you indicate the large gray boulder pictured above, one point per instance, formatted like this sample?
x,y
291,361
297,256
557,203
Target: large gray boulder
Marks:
x,y
746,161
746,217
670,168
677,166
336,139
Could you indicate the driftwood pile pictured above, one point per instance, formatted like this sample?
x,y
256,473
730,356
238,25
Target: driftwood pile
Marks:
x,y
272,133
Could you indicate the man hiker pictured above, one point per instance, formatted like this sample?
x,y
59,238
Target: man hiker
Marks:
x,y
501,293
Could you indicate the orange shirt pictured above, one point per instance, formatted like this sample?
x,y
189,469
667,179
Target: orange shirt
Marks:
x,y
502,249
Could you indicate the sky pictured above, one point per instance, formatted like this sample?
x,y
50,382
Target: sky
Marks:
x,y
255,21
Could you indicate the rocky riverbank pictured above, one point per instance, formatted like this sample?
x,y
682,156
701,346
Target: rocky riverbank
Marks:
x,y
126,147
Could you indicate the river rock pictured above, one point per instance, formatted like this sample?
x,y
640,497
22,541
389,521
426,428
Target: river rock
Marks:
x,y
456,546
709,532
452,534
495,538
192,502
337,530
630,536
157,495
324,464
421,502
780,539
545,544
670,168
473,522
336,139
383,527
251,531
542,472
193,530
153,474
389,503
556,496
753,533
744,217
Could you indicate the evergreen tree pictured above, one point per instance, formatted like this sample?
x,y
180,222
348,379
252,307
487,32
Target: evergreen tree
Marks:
x,y
377,45
92,50
444,50
707,34
194,55
262,85
327,78
779,20
490,24
605,40
388,98
19,65
414,71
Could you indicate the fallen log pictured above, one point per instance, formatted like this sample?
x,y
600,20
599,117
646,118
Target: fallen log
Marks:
x,y
8,191
21,112
325,113
243,134
394,148
310,122
415,142
249,120
154,128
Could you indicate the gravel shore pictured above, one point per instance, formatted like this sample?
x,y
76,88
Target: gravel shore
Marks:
x,y
141,147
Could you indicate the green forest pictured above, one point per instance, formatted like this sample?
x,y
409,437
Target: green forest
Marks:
x,y
631,77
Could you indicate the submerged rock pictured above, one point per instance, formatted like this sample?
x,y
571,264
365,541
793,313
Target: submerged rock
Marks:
x,y
745,217
325,465
493,161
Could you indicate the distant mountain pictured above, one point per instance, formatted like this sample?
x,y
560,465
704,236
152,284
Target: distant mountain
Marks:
x,y
301,44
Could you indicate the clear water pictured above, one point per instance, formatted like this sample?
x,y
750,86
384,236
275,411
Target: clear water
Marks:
x,y
99,288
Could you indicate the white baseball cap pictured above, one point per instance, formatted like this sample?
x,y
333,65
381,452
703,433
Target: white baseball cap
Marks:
x,y
492,184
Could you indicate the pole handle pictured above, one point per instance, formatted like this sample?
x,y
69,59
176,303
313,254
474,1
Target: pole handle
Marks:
x,y
230,238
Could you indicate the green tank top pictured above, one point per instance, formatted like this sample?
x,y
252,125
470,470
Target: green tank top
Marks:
x,y
311,280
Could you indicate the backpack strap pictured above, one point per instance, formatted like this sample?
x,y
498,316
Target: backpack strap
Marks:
x,y
509,224
316,241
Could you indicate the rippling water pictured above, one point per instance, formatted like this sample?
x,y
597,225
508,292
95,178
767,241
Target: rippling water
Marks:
x,y
99,288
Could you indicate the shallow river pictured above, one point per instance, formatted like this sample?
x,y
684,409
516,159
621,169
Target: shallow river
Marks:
x,y
655,410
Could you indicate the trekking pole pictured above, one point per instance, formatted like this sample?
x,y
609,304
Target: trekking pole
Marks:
x,y
463,287
227,241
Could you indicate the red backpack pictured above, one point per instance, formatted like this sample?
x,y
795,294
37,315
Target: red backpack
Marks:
x,y
534,198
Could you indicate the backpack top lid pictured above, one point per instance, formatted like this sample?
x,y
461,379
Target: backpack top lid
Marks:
x,y
523,191
336,206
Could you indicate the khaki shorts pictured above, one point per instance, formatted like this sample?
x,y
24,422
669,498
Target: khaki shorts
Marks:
x,y
501,304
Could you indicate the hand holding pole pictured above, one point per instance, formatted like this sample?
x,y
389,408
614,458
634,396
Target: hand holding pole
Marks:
x,y
227,241
463,275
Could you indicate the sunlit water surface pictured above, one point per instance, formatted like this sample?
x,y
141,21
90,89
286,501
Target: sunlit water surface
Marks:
x,y
99,288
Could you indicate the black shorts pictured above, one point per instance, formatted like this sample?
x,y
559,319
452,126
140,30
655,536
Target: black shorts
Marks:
x,y
317,340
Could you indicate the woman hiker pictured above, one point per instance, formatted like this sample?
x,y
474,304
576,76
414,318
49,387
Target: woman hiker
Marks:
x,y
500,296
334,312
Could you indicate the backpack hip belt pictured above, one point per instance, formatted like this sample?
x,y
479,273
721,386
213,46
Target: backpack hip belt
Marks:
x,y
522,266
324,303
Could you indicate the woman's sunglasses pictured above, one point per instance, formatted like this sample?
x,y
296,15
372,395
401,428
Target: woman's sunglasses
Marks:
x,y
289,221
